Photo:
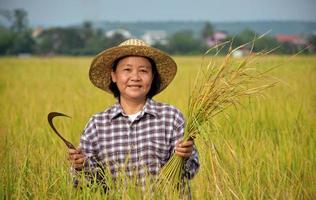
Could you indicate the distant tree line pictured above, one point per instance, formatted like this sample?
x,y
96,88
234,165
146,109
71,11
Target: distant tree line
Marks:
x,y
18,38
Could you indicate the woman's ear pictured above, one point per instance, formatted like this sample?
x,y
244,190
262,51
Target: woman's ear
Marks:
x,y
113,76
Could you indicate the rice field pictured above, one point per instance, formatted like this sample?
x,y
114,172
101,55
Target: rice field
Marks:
x,y
265,149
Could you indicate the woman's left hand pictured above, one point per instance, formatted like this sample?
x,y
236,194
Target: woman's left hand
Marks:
x,y
184,148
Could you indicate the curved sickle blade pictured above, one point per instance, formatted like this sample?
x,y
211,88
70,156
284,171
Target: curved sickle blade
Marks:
x,y
50,117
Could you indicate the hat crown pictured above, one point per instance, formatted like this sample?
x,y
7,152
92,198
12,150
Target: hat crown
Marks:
x,y
134,42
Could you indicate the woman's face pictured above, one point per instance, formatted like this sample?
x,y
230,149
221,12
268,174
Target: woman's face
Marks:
x,y
133,77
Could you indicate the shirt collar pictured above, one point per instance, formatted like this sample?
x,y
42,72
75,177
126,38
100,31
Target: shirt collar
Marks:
x,y
150,108
116,109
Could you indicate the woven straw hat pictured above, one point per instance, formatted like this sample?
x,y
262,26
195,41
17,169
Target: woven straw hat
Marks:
x,y
101,66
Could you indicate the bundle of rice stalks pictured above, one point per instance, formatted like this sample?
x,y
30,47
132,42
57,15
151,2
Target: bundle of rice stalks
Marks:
x,y
216,88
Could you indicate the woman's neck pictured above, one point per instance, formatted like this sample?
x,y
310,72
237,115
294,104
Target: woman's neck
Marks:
x,y
132,106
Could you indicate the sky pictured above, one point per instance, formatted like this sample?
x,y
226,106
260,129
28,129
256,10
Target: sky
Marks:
x,y
69,12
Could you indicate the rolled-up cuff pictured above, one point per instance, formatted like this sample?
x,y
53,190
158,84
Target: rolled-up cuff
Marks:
x,y
192,165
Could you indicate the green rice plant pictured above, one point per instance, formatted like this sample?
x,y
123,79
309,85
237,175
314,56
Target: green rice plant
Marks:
x,y
264,150
216,88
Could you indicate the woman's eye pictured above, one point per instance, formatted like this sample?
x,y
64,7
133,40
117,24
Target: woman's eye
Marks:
x,y
144,71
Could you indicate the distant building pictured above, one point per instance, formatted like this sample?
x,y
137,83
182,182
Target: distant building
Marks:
x,y
293,39
220,35
244,51
37,32
125,33
154,37
216,38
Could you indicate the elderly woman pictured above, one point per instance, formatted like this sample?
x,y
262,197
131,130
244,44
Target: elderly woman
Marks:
x,y
136,134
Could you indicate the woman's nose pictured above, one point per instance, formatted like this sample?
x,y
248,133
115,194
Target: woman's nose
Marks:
x,y
135,76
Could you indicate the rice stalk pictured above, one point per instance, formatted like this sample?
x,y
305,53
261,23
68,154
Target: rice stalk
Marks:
x,y
216,88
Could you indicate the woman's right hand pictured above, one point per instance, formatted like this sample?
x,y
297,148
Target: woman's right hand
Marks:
x,y
76,158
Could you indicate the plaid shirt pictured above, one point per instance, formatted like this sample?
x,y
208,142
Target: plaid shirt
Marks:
x,y
139,146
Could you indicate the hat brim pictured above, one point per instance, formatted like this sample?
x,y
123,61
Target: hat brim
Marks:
x,y
101,66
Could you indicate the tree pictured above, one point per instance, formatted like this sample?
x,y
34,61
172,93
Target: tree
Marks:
x,y
87,32
247,35
60,41
93,39
19,39
288,48
22,43
94,44
6,40
265,43
183,42
114,40
20,21
207,31
312,42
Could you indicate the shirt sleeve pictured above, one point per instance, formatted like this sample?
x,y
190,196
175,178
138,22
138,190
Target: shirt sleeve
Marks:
x,y
192,164
89,143
90,148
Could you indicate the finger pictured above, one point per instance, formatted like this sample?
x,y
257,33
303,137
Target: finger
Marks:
x,y
186,143
77,166
184,150
179,142
76,156
79,149
72,151
79,161
184,155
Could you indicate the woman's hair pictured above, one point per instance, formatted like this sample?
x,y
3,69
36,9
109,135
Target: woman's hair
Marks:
x,y
155,85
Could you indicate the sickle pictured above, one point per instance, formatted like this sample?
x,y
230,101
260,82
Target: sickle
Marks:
x,y
50,117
